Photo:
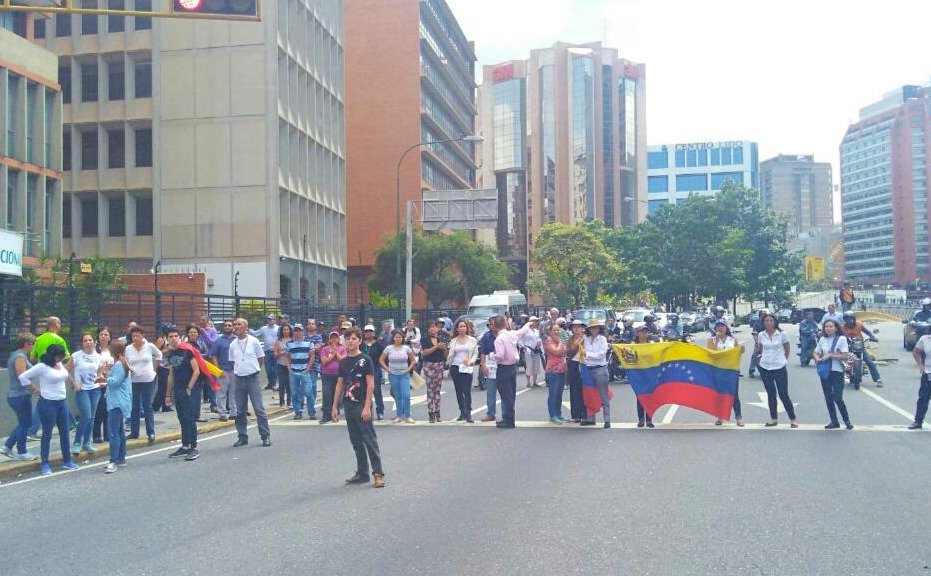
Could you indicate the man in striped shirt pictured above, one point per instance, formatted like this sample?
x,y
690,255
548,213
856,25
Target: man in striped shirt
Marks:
x,y
303,384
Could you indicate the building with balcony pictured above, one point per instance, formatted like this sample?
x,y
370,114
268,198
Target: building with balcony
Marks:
x,y
410,79
30,138
208,146
885,158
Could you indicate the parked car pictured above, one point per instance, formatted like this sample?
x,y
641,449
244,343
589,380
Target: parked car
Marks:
x,y
637,314
784,316
601,314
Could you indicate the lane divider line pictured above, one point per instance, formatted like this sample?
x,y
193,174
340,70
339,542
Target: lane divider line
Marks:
x,y
888,404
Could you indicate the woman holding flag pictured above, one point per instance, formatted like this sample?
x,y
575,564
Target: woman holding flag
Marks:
x,y
595,391
643,336
722,340
773,359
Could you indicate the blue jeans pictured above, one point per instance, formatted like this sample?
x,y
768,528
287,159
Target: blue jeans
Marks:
x,y
401,390
868,360
379,398
329,390
271,369
86,401
187,407
143,394
491,397
303,387
22,406
555,382
55,413
117,433
36,422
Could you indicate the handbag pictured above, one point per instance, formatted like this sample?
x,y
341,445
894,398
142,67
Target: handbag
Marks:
x,y
824,367
417,381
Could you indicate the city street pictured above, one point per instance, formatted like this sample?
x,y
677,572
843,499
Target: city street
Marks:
x,y
685,498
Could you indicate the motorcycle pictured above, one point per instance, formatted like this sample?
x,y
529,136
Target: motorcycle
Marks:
x,y
615,369
806,345
853,368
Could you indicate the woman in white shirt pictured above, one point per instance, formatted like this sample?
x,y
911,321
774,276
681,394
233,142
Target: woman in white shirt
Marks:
x,y
722,340
142,357
774,356
100,429
84,367
53,403
596,360
461,355
533,352
832,347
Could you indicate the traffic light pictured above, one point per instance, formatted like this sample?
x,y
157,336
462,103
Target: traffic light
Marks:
x,y
206,8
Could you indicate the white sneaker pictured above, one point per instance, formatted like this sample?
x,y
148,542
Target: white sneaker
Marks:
x,y
26,456
110,469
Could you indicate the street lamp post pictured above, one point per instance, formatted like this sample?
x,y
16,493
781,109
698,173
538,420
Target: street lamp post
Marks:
x,y
158,297
397,207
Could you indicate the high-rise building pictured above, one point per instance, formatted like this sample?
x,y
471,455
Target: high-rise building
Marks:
x,y
800,188
678,170
30,138
410,79
565,140
210,145
885,159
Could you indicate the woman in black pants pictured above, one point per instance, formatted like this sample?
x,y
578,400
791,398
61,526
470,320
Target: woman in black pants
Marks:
x,y
159,404
283,365
774,356
100,432
832,348
573,376
461,357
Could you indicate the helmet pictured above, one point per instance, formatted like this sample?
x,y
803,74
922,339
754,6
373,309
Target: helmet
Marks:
x,y
627,319
849,316
764,312
719,309
926,301
673,317
649,318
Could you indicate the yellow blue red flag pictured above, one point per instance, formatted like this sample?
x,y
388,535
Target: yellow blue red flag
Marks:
x,y
683,374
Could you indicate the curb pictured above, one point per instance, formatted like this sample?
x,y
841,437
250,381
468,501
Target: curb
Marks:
x,y
104,451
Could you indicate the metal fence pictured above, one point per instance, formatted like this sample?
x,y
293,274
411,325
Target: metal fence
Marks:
x,y
25,307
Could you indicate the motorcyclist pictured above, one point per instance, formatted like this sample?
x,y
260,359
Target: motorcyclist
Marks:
x,y
628,334
851,328
673,330
649,321
923,315
755,328
806,328
612,330
717,313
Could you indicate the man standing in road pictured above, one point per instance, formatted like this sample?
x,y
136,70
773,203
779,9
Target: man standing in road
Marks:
x,y
303,384
356,385
832,314
922,354
268,334
226,400
507,357
551,317
247,357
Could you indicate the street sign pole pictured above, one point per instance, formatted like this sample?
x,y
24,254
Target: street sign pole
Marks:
x,y
408,273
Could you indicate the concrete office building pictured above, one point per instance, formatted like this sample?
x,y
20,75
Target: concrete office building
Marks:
x,y
802,189
30,138
215,146
565,140
885,159
410,79
677,170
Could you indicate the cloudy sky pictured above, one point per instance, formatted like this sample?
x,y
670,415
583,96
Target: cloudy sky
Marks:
x,y
789,74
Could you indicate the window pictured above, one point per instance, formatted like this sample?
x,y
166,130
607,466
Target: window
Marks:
x,y
725,156
89,217
680,158
691,182
655,205
89,149
715,156
66,149
143,22
88,82
116,216
32,181
703,157
11,180
143,79
116,23
62,25
11,114
66,216
691,160
717,180
38,30
64,78
116,148
116,78
143,147
658,159
143,215
658,184
88,21
738,155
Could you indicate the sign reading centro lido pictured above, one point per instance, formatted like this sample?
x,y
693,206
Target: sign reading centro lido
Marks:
x,y
11,253
709,145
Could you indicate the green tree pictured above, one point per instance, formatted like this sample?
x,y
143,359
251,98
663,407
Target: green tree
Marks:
x,y
573,263
447,266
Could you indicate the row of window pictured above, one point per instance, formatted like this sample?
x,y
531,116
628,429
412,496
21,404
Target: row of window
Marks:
x,y
36,111
693,182
88,212
89,75
89,142
90,23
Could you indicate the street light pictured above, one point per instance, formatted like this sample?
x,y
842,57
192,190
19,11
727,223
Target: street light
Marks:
x,y
158,298
397,202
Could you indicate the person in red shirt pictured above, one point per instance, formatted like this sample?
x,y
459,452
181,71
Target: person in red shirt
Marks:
x,y
852,328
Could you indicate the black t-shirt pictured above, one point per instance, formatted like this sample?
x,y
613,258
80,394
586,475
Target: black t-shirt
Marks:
x,y
353,370
436,355
180,362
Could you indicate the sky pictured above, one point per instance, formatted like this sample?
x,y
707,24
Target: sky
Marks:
x,y
788,74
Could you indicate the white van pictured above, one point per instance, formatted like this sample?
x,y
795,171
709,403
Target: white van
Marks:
x,y
484,306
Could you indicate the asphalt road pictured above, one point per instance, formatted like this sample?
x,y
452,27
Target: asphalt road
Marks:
x,y
686,498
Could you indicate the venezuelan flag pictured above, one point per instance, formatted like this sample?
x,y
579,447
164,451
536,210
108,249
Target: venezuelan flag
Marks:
x,y
683,374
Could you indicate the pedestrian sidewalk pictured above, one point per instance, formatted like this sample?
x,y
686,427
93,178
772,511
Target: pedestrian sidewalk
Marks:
x,y
167,430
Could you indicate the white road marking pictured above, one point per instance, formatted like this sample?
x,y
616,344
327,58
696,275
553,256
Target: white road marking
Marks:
x,y
888,404
764,403
498,402
670,414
